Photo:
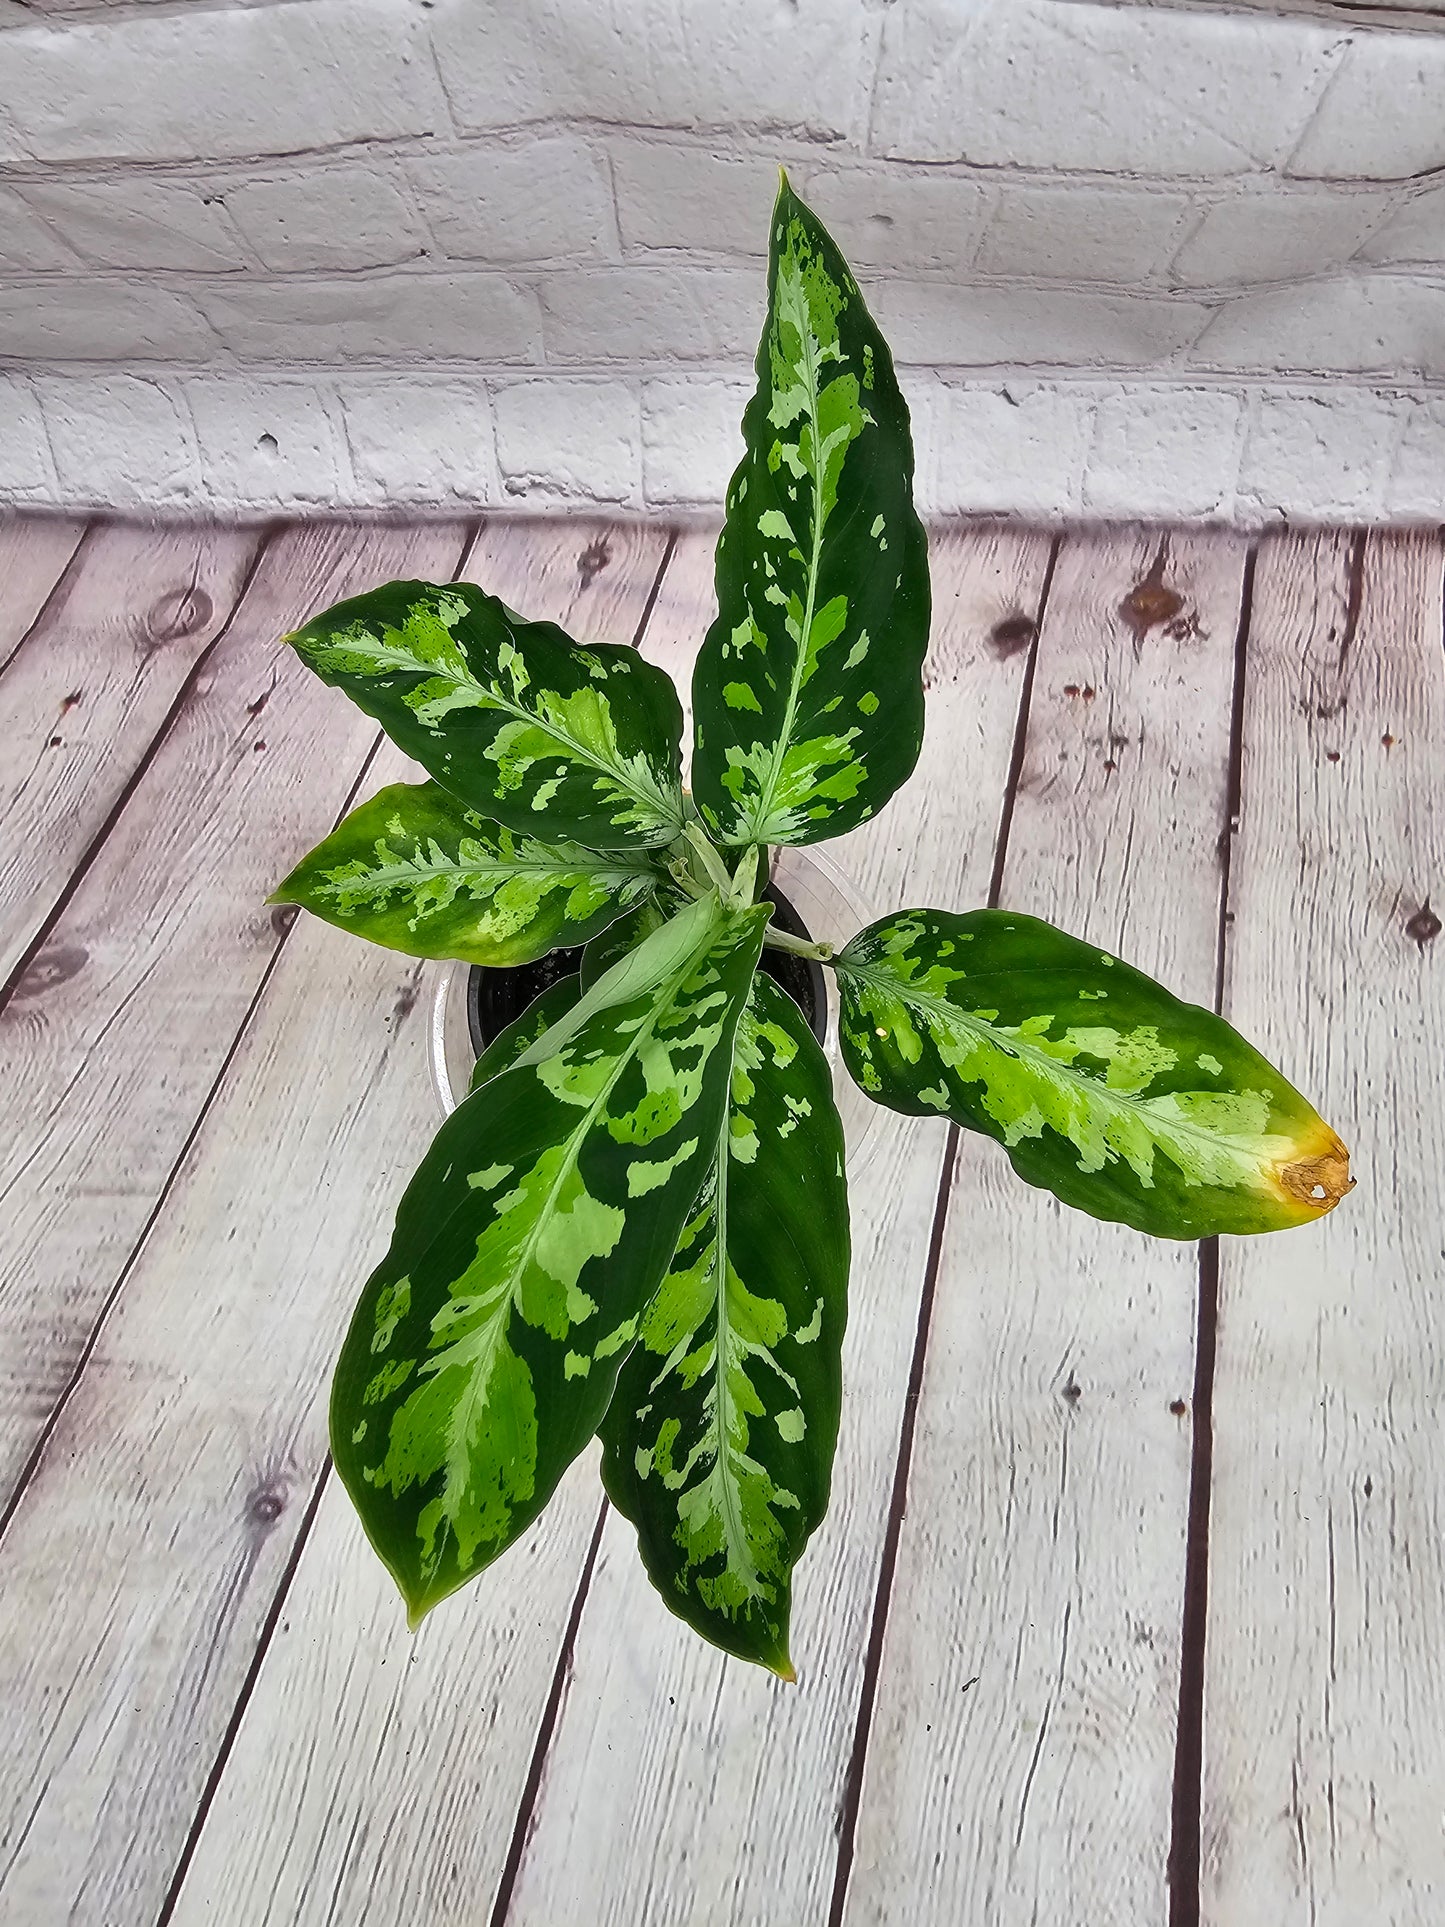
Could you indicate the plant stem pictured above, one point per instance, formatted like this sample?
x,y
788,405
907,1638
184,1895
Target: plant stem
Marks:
x,y
681,872
775,939
745,877
711,862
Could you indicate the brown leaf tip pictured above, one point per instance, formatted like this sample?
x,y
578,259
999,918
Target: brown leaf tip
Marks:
x,y
1319,1182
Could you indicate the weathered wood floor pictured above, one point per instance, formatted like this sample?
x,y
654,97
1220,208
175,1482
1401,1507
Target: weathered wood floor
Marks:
x,y
1131,1604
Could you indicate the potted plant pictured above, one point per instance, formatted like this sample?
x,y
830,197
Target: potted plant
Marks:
x,y
637,1222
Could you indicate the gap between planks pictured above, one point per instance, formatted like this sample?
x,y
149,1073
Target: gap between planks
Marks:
x,y
654,1719
868,1692
1324,1688
1125,781
533,570
124,894
1183,1870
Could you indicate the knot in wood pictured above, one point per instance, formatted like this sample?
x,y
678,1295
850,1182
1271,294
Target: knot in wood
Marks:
x,y
266,1506
51,967
177,614
1424,926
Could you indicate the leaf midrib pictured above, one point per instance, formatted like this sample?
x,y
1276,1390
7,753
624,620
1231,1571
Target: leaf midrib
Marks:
x,y
507,1300
391,876
491,699
736,1533
762,814
943,1012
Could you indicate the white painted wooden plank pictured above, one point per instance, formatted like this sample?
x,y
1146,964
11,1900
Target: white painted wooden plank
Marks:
x,y
34,553
686,605
118,1028
682,1786
375,1776
1021,1761
593,578
1325,1660
82,701
138,1569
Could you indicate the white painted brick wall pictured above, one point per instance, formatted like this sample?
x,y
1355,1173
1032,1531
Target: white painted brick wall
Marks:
x,y
1294,438
1272,235
1381,117
260,439
548,199
400,318
121,440
1415,231
1084,233
798,67
1132,259
1049,450
139,222
1024,444
1032,83
1180,446
352,214
266,80
427,442
691,439
25,239
582,439
27,466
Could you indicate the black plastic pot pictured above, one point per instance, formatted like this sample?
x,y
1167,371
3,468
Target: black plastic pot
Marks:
x,y
496,998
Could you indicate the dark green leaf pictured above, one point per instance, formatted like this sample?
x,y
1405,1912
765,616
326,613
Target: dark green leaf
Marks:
x,y
623,935
535,1021
719,1439
485,1346
513,717
808,692
1104,1088
418,871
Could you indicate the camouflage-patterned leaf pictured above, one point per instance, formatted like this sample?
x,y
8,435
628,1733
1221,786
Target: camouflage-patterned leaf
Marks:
x,y
808,692
418,871
513,717
485,1346
1103,1088
535,1021
719,1439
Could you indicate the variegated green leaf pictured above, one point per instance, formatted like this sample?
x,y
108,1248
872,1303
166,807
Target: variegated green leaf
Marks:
x,y
719,1441
1103,1088
535,1021
513,717
808,693
485,1346
418,871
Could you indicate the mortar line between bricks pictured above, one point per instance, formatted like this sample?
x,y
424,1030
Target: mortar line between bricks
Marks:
x,y
446,371
742,140
701,266
1290,384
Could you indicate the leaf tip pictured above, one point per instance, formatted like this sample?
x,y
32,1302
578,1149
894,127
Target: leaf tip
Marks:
x,y
1317,1176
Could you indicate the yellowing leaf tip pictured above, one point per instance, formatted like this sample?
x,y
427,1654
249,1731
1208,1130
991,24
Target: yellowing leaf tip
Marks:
x,y
1318,1176
1314,1174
